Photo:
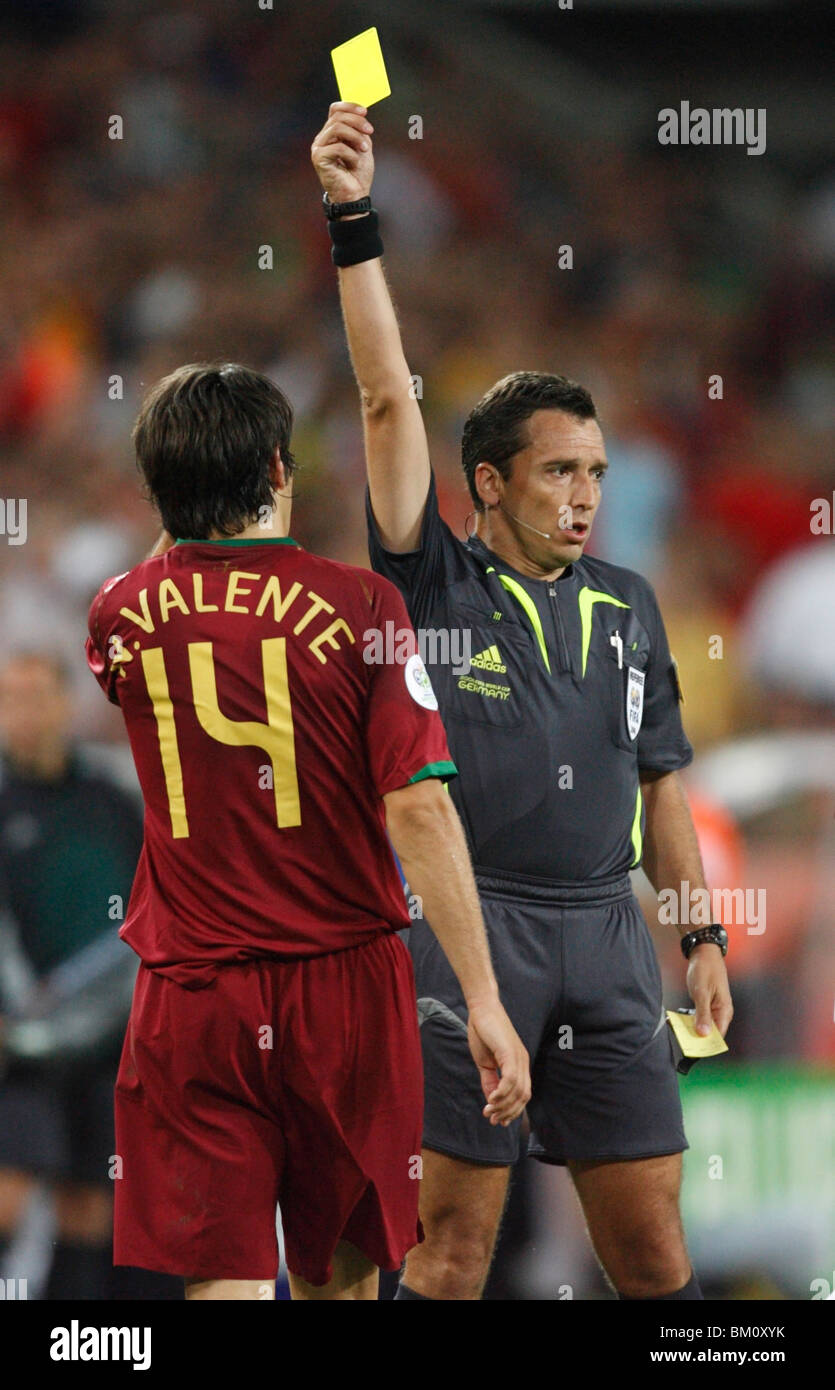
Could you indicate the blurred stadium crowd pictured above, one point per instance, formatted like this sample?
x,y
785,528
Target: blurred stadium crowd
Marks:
x,y
122,258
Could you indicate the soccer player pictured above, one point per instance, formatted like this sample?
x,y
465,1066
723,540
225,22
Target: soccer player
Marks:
x,y
567,736
272,1053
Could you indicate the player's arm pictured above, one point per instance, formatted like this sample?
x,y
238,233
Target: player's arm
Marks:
x,y
395,439
429,840
671,858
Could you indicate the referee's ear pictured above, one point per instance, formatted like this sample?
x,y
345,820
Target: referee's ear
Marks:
x,y
486,481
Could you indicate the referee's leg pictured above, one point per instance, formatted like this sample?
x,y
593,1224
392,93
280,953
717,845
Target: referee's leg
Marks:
x,y
461,1207
632,1211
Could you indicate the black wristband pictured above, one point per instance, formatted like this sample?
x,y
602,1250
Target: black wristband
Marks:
x,y
355,240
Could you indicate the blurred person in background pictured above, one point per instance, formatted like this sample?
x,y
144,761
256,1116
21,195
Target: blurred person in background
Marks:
x,y
788,638
69,843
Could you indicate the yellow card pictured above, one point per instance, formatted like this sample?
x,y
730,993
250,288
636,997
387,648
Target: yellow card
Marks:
x,y
692,1043
360,71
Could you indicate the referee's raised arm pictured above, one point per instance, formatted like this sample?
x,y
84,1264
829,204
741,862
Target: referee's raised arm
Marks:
x,y
395,438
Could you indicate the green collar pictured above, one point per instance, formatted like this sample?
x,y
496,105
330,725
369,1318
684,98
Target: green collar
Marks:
x,y
232,540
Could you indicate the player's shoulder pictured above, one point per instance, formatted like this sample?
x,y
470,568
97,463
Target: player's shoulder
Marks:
x,y
119,587
135,578
625,584
364,587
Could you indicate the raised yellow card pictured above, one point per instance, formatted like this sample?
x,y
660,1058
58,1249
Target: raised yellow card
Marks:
x,y
360,71
693,1044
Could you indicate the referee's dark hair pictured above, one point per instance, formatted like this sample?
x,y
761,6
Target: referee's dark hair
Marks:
x,y
494,429
205,441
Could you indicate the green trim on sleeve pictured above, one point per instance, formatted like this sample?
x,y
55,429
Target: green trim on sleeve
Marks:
x,y
443,770
637,838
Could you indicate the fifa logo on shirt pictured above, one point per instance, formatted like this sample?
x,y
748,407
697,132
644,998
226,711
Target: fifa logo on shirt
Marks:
x,y
490,660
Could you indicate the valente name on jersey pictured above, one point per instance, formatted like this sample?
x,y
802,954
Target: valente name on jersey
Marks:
x,y
264,743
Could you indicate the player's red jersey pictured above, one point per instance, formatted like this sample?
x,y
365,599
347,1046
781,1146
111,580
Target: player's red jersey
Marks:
x,y
263,741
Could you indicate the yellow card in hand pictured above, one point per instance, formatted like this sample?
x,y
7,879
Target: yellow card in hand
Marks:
x,y
360,71
692,1043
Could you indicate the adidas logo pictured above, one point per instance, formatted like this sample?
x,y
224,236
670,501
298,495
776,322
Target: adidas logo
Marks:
x,y
489,660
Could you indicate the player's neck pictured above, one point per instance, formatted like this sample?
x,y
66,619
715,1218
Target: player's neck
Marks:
x,y
273,526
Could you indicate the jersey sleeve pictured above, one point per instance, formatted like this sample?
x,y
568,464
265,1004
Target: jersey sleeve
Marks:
x,y
663,745
421,575
103,670
405,739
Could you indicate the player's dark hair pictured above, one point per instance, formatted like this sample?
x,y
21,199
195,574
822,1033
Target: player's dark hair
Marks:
x,y
494,430
205,441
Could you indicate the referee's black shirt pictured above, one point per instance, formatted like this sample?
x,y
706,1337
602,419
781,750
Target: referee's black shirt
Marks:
x,y
539,729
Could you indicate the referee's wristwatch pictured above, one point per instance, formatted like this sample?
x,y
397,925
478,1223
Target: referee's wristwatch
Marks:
x,y
333,211
715,934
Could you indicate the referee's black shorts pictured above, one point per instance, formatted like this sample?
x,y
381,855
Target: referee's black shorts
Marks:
x,y
578,975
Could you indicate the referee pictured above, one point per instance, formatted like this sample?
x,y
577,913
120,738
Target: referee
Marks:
x,y
568,738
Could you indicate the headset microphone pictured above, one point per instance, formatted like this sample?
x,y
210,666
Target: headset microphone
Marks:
x,y
545,534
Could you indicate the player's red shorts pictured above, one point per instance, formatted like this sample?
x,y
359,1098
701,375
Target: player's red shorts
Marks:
x,y
297,1083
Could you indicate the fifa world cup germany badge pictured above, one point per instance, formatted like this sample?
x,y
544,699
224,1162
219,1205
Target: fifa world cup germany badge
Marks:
x,y
634,701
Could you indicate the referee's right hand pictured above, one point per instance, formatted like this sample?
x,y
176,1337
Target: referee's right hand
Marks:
x,y
502,1061
342,153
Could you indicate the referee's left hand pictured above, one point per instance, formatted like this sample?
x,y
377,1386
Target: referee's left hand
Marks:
x,y
707,985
